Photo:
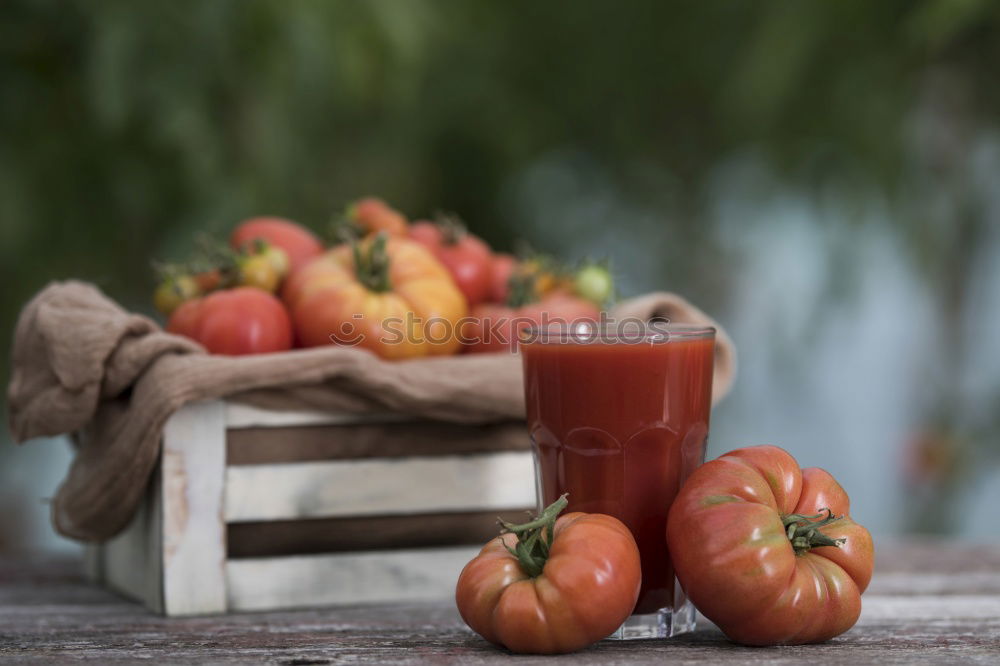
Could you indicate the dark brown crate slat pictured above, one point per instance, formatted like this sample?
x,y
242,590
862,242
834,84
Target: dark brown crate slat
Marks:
x,y
257,446
330,535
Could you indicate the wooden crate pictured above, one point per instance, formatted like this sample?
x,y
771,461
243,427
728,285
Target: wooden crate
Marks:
x,y
252,509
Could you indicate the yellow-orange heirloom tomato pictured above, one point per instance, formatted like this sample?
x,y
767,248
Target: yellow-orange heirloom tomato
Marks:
x,y
768,551
388,295
577,588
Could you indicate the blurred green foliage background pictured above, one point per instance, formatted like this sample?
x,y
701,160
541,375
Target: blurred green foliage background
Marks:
x,y
810,162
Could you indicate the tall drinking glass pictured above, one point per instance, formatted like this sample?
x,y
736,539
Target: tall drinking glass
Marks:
x,y
618,418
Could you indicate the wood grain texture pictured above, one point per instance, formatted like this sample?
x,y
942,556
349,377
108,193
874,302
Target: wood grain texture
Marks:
x,y
497,481
192,473
131,562
287,444
247,416
331,535
49,614
386,576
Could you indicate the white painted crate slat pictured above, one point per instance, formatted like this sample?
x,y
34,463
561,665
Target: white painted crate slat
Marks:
x,y
173,555
131,563
247,416
374,487
192,472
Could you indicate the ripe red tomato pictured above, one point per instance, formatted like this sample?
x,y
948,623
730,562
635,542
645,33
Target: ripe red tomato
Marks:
x,y
233,322
749,544
565,588
466,257
502,269
495,328
209,280
300,244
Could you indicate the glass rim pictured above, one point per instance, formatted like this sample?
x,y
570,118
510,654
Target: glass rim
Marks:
x,y
622,332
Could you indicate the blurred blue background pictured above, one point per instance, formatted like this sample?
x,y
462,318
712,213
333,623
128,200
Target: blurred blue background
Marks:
x,y
822,177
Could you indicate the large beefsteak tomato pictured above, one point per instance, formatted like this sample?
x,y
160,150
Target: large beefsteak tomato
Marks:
x,y
245,320
552,585
389,295
768,551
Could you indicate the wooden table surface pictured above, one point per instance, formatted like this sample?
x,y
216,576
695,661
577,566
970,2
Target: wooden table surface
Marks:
x,y
928,603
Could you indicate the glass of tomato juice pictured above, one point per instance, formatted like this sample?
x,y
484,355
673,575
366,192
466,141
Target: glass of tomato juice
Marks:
x,y
618,417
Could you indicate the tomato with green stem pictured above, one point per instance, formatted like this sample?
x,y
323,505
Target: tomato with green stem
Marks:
x,y
385,294
258,271
299,244
263,266
552,585
502,268
370,215
768,551
173,291
467,257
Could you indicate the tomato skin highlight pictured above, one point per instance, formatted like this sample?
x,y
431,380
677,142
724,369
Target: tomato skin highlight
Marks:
x,y
300,244
733,556
587,588
234,322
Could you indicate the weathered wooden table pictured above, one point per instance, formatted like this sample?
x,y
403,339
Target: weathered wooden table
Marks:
x,y
928,603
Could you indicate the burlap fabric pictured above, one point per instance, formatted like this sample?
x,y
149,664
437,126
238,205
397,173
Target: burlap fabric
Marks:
x,y
82,364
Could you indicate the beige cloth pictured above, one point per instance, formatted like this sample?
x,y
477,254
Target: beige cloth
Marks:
x,y
83,364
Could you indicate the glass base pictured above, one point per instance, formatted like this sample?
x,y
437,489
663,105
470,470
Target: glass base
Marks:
x,y
662,624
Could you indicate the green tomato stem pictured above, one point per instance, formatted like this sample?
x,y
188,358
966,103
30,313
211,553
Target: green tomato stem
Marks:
x,y
345,229
534,538
453,230
371,265
803,531
521,290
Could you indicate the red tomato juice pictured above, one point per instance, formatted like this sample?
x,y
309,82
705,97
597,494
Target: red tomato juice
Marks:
x,y
619,426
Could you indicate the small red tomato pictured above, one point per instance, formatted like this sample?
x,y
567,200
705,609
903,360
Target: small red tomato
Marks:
x,y
245,320
209,280
768,551
299,243
467,257
502,268
551,586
